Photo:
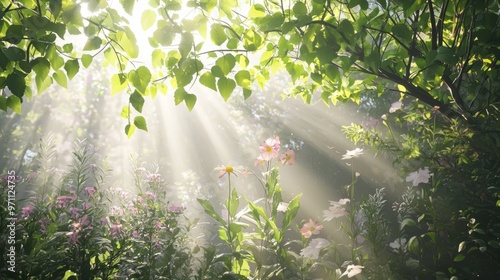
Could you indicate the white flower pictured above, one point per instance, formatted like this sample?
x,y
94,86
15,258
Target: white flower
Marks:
x,y
397,244
282,207
352,270
395,106
315,246
336,210
352,154
419,176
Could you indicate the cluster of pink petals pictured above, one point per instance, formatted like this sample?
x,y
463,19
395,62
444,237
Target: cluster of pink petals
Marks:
x,y
269,149
176,208
288,157
310,228
90,191
27,211
64,200
115,229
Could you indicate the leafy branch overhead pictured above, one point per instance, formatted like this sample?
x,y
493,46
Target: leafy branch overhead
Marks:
x,y
443,53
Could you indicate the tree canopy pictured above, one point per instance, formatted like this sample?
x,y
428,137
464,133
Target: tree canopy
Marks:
x,y
443,52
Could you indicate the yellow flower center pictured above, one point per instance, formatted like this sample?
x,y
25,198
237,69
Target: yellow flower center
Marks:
x,y
229,169
312,228
269,149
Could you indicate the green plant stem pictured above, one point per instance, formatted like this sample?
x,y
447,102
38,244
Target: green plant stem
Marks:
x,y
229,238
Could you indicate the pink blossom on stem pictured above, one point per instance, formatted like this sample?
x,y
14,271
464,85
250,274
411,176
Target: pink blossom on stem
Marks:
x,y
269,148
64,200
288,157
115,229
26,211
90,191
310,228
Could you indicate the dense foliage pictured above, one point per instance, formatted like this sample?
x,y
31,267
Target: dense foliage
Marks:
x,y
442,52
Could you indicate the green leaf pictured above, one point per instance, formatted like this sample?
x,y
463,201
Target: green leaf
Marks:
x,y
247,93
42,83
140,123
346,28
148,18
446,55
186,44
129,130
402,31
86,60
208,80
226,87
299,9
243,79
14,53
118,83
16,84
72,67
459,258
209,209
140,78
127,41
69,274
293,209
137,101
125,113
60,78
128,6
14,103
93,43
226,63
257,11
217,34
3,103
413,245
190,100
158,58
41,67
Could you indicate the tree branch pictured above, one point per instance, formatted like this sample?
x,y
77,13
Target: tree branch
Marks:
x,y
433,25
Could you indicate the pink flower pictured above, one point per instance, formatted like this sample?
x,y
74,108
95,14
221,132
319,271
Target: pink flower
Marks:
x,y
26,211
269,148
90,191
150,195
176,208
64,200
116,211
158,225
115,229
72,237
135,234
43,225
104,221
228,169
75,212
85,221
288,157
310,228
155,178
259,161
